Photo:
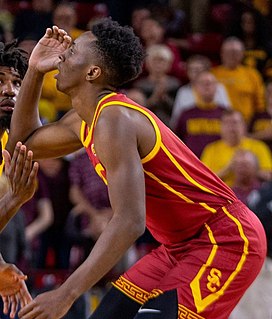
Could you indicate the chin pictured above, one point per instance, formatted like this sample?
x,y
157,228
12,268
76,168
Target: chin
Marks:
x,y
60,87
5,122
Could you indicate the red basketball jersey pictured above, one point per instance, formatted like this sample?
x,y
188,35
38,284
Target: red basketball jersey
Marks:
x,y
181,192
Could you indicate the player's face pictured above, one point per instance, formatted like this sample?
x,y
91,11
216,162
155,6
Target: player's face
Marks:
x,y
10,83
75,63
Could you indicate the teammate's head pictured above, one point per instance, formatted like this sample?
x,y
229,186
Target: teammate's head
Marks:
x,y
119,50
14,57
13,66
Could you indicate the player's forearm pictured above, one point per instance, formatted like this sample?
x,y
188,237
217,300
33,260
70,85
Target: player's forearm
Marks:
x,y
115,240
25,118
9,206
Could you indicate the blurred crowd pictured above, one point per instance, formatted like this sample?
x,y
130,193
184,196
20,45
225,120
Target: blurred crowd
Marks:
x,y
207,75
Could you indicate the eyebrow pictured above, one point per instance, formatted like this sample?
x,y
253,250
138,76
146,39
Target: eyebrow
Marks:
x,y
14,74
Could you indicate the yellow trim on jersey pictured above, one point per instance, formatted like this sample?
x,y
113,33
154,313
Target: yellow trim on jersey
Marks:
x,y
202,304
183,172
156,147
87,140
153,152
172,190
185,313
4,141
131,290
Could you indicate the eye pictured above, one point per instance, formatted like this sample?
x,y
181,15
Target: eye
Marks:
x,y
72,50
17,83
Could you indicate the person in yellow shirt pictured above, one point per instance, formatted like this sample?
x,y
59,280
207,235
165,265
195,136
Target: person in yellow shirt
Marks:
x,y
244,84
218,156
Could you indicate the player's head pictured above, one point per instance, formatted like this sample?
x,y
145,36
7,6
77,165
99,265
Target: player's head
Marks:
x,y
13,66
109,55
120,52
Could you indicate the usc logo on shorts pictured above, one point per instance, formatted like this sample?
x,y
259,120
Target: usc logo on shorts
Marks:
x,y
214,280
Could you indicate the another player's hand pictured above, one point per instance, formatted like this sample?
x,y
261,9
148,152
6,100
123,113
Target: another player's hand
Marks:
x,y
49,305
13,289
21,173
45,55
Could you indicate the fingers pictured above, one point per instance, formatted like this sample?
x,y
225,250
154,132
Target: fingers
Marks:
x,y
33,175
7,159
24,295
22,166
14,305
11,170
19,167
6,304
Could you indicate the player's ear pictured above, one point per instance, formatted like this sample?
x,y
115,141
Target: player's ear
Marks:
x,y
94,72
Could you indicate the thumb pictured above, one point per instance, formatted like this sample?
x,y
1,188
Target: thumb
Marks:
x,y
7,159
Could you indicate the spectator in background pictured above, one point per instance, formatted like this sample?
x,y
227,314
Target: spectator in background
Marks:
x,y
186,98
257,300
152,32
196,13
260,126
159,87
255,32
65,17
6,22
34,20
219,155
200,124
138,15
245,171
244,84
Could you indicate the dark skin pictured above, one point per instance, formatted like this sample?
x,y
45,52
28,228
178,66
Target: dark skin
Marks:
x,y
21,175
10,83
12,281
122,138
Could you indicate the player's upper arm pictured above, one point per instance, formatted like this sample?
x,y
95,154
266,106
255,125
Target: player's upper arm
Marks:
x,y
116,145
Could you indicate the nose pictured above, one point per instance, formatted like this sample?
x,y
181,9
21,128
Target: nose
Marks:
x,y
8,89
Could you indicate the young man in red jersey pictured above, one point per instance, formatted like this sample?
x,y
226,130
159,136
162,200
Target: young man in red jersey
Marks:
x,y
212,246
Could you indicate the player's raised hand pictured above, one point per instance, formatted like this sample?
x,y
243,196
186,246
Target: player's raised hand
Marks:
x,y
21,173
45,55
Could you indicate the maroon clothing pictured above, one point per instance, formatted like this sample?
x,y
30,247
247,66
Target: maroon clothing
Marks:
x,y
30,208
198,127
82,174
212,245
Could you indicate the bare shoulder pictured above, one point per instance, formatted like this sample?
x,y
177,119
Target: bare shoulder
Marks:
x,y
124,128
117,120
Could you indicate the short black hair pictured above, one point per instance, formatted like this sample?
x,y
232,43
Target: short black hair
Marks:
x,y
120,50
14,57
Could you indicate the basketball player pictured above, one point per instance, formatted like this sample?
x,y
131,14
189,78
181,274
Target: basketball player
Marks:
x,y
13,66
21,176
212,246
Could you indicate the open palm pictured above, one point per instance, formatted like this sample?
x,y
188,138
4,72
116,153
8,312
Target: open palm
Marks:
x,y
45,55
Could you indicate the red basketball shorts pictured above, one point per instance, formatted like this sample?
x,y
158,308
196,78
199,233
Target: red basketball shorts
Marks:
x,y
210,272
